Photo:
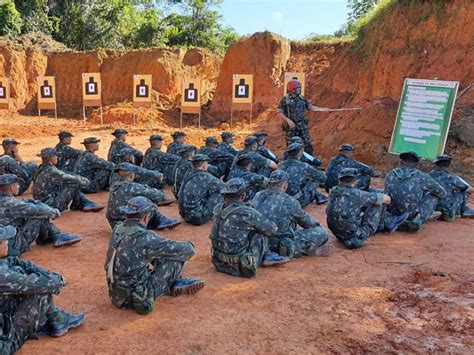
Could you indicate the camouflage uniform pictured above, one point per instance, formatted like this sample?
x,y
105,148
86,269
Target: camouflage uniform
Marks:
x,y
255,182
341,161
294,107
96,169
222,161
25,172
143,176
180,169
116,146
260,164
414,192
304,180
174,147
58,189
354,215
122,191
456,201
306,158
26,302
198,195
286,212
67,156
142,266
262,150
227,148
155,159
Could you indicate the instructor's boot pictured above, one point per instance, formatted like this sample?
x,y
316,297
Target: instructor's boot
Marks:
x,y
186,286
393,222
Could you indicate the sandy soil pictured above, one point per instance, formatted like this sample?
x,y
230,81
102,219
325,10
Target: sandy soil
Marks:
x,y
400,293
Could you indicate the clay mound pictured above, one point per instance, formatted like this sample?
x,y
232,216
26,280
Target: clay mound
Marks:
x,y
34,40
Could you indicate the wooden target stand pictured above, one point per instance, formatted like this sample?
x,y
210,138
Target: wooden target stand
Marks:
x,y
137,105
48,106
92,103
247,106
190,110
6,106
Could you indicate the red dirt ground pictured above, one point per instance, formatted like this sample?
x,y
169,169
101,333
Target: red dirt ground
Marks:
x,y
400,293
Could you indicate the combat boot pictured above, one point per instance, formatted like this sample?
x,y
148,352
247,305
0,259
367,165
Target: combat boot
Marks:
x,y
321,199
271,259
186,286
393,222
71,321
167,223
467,213
65,239
92,207
434,216
324,250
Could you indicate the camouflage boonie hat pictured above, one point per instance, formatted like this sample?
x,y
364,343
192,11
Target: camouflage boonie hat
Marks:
x,y
47,153
178,134
138,204
242,159
234,186
250,140
278,176
7,179
90,140
7,232
410,157
349,172
125,151
443,157
186,148
227,135
199,157
10,141
124,166
64,134
119,132
346,147
211,140
156,137
294,148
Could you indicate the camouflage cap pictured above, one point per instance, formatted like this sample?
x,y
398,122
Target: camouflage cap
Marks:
x,y
10,141
199,157
242,159
294,148
125,151
260,134
119,132
410,157
7,232
296,139
346,147
227,135
278,176
178,134
211,140
90,140
64,134
47,153
234,186
138,205
124,166
347,172
156,137
443,157
8,179
186,148
250,140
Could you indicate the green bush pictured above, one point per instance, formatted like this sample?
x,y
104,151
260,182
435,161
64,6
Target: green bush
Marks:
x,y
10,19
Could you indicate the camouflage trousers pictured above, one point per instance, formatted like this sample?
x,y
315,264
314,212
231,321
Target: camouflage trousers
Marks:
x,y
203,212
153,223
40,230
151,181
142,297
453,205
167,170
372,221
99,181
237,264
24,185
65,196
307,193
29,314
303,133
305,241
424,210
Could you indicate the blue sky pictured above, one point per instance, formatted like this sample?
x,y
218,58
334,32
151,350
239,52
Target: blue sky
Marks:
x,y
294,19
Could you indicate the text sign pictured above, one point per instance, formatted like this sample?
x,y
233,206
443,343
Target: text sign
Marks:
x,y
423,117
242,88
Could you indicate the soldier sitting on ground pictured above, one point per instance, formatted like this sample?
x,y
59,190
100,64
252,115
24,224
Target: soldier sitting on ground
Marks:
x,y
67,155
354,215
152,178
182,166
240,233
304,179
414,192
306,158
455,204
260,164
90,166
221,160
59,189
141,265
124,189
199,192
255,182
31,218
226,144
344,160
156,159
286,212
262,150
12,163
118,144
178,141
26,300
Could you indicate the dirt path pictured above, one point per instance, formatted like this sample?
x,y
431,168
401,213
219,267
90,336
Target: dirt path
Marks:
x,y
400,293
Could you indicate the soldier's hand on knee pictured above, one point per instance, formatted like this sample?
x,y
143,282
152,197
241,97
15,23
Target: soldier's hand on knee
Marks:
x,y
55,213
386,199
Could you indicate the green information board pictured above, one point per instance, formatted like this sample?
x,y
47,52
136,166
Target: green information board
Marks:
x,y
423,117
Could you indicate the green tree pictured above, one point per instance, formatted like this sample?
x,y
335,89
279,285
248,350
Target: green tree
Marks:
x,y
10,19
359,8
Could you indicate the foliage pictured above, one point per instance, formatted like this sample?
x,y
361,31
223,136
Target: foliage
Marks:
x,y
10,19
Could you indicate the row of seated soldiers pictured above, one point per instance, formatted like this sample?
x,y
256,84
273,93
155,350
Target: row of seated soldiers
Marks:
x,y
258,216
